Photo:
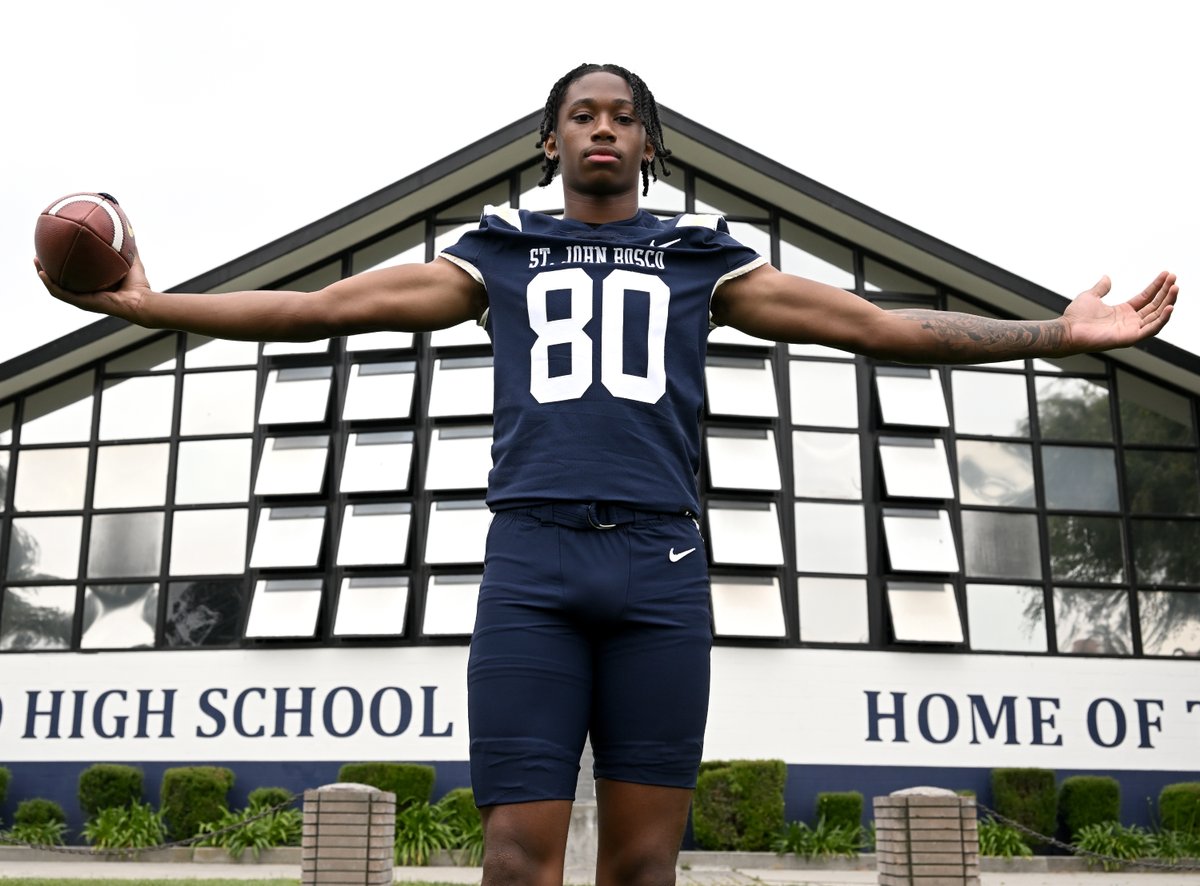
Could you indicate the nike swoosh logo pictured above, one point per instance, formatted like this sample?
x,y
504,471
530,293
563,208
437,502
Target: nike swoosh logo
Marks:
x,y
665,245
675,558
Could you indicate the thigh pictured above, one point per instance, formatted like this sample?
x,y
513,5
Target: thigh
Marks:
x,y
529,673
651,676
641,828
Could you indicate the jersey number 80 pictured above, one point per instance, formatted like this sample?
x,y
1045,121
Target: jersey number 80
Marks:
x,y
569,330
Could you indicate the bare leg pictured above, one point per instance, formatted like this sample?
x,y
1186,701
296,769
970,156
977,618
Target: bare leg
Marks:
x,y
525,844
641,829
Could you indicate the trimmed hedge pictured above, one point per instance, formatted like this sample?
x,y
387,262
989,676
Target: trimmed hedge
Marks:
x,y
840,808
410,782
460,803
1027,796
1087,799
192,796
1179,807
265,798
5,778
36,811
108,786
738,804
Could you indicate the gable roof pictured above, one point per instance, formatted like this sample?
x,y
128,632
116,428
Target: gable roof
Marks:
x,y
692,144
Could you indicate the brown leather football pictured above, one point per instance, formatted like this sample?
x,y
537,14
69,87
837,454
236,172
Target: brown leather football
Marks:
x,y
84,242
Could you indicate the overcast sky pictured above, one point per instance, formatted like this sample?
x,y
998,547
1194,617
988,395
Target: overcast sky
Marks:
x,y
1054,139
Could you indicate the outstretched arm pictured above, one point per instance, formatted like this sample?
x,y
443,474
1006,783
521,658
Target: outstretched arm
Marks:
x,y
773,305
411,298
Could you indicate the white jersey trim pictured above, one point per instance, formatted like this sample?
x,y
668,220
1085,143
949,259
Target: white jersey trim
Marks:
x,y
736,272
506,214
698,220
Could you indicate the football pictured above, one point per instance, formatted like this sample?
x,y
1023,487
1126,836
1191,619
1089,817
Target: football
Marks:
x,y
84,242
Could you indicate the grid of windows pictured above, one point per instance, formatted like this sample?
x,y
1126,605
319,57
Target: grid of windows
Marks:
x,y
198,493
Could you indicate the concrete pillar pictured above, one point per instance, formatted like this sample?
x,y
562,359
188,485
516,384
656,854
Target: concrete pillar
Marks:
x,y
349,831
582,838
926,837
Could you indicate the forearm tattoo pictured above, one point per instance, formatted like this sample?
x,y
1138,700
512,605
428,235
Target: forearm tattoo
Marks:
x,y
972,337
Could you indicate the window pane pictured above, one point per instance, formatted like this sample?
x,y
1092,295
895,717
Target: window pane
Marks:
x,y
209,542
740,386
1079,478
379,341
1165,551
457,532
833,610
296,395
924,613
538,198
743,458
377,462
919,541
712,199
745,532
275,348
37,618
818,351
1077,363
204,352
915,467
218,403
119,616
467,333
1073,409
211,471
131,476
885,278
1170,622
911,396
459,457
288,537
747,607
140,407
44,547
1001,545
1095,622
999,474
450,602
461,387
125,544
1086,548
1152,414
727,335
826,465
6,424
664,197
285,608
1162,482
51,479
371,607
379,390
824,394
374,534
204,613
4,472
1006,618
756,237
810,255
405,247
831,538
291,465
991,404
158,356
60,414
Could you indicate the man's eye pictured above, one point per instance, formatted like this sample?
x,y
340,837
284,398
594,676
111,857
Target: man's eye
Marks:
x,y
581,118
625,118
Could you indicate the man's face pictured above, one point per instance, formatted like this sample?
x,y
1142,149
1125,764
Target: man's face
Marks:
x,y
599,141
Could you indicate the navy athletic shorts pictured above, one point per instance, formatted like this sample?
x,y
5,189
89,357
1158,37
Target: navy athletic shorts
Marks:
x,y
592,618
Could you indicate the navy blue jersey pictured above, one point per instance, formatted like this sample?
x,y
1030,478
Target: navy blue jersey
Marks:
x,y
599,334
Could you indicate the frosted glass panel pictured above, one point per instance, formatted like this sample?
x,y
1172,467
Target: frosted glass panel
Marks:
x,y
745,532
1006,618
379,341
461,387
285,608
833,610
371,607
739,386
374,534
459,457
51,479
824,394
134,408
377,462
457,532
924,613
218,403
450,602
826,465
379,390
1170,623
1092,622
997,474
131,476
288,537
291,465
44,547
920,541
296,395
37,618
747,607
990,404
911,396
831,538
125,544
464,334
997,544
61,413
915,467
119,616
1080,478
742,458
209,542
204,352
212,471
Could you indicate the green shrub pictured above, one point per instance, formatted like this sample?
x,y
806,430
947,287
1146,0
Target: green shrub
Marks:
x,y
5,778
265,798
36,810
739,805
459,805
136,826
257,831
1001,840
840,808
1087,799
46,833
1179,807
822,841
1110,838
1027,796
410,782
421,830
109,785
192,796
1173,845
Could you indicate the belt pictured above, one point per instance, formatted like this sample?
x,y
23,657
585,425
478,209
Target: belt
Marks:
x,y
592,515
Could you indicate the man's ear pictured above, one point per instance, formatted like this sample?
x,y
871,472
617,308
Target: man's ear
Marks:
x,y
648,154
550,146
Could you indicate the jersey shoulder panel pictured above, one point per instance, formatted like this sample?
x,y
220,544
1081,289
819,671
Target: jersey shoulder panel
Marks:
x,y
700,220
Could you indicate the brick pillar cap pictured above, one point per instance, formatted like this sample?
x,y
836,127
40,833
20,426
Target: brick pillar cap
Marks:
x,y
923,791
350,786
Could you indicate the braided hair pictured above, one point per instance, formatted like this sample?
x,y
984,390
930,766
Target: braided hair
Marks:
x,y
644,107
